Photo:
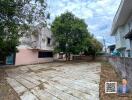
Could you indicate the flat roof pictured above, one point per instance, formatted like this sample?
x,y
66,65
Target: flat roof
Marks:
x,y
122,15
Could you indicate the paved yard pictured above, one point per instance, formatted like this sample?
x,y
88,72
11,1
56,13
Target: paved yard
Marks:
x,y
56,81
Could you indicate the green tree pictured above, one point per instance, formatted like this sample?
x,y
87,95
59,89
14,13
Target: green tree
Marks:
x,y
15,17
92,47
69,33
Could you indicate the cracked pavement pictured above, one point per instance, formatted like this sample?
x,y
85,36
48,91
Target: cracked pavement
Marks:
x,y
56,81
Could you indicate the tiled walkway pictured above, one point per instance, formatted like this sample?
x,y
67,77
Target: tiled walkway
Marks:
x,y
56,81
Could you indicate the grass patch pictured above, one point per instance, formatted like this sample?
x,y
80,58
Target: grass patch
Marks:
x,y
108,74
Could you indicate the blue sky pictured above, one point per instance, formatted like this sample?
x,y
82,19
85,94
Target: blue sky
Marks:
x,y
98,14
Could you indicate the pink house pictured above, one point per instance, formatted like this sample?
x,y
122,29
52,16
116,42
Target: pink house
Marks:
x,y
36,47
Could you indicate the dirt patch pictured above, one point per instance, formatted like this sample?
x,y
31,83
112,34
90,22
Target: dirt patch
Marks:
x,y
29,70
59,66
108,74
6,91
56,81
42,69
41,87
46,82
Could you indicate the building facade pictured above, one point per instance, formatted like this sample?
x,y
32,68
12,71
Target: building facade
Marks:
x,y
36,46
111,49
122,28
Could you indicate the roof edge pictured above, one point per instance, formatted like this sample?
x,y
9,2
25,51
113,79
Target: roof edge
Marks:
x,y
115,20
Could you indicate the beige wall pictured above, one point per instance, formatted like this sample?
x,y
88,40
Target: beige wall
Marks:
x,y
29,56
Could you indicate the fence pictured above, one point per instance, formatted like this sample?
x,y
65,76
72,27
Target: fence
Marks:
x,y
123,67
88,58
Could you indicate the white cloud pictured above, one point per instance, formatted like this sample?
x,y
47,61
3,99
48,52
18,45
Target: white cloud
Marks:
x,y
98,14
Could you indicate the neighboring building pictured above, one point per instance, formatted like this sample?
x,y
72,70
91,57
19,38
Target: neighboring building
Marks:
x,y
36,47
111,48
122,28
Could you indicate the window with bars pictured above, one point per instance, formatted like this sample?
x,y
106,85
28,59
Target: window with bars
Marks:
x,y
43,54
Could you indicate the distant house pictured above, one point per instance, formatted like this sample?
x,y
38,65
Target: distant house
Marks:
x,y
111,48
36,47
122,28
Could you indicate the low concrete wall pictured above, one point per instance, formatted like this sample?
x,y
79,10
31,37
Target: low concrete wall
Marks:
x,y
123,67
89,58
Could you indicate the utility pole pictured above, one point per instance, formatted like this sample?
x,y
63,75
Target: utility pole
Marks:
x,y
104,43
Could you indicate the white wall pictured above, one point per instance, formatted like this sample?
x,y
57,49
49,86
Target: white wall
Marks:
x,y
46,33
38,40
121,42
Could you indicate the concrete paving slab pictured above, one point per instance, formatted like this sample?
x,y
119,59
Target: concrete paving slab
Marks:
x,y
74,92
58,93
43,95
24,82
28,96
30,79
56,81
19,88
